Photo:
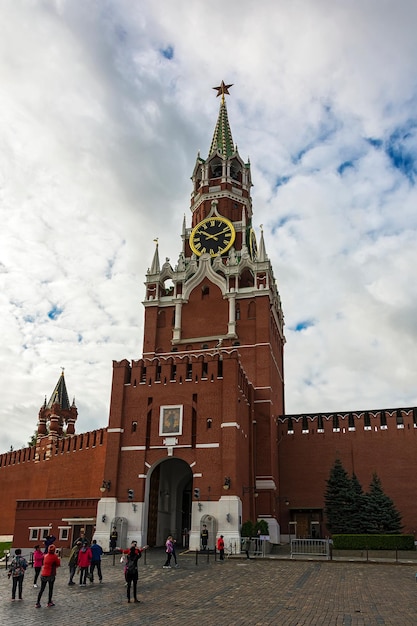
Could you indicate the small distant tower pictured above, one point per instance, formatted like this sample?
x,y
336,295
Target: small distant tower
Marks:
x,y
56,420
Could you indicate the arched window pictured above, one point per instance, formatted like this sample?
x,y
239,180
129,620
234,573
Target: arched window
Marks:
x,y
252,310
161,319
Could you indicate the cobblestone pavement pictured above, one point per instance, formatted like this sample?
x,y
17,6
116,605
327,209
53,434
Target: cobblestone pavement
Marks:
x,y
236,592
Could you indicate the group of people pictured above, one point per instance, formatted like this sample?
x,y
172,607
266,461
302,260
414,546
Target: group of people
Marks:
x,y
86,559
45,565
83,557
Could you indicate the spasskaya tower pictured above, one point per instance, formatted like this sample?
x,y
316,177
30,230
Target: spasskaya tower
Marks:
x,y
192,434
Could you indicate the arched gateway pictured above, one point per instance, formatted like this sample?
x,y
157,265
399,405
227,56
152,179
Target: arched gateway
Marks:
x,y
169,501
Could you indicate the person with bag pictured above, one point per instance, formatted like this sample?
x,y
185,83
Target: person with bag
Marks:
x,y
48,572
169,548
17,573
131,570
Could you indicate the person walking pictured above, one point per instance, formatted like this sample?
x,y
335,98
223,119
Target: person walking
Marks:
x,y
38,556
131,570
220,547
204,537
73,561
84,561
169,547
96,551
48,572
17,573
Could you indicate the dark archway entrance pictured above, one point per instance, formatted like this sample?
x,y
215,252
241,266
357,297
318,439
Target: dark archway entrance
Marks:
x,y
170,498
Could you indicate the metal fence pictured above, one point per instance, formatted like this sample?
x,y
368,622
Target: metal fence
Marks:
x,y
310,547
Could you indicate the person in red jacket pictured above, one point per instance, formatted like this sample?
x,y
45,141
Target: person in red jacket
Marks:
x,y
220,547
85,557
48,572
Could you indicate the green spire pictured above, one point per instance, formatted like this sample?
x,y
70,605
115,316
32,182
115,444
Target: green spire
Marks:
x,y
222,139
60,394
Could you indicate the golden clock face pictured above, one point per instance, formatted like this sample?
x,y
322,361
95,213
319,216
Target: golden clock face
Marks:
x,y
253,246
214,235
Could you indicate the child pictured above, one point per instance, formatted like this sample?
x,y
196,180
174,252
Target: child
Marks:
x,y
37,563
17,572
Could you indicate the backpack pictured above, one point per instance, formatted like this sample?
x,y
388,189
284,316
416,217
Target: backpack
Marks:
x,y
18,566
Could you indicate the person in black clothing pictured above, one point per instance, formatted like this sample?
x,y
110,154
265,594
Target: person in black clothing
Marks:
x,y
113,539
48,541
204,537
131,570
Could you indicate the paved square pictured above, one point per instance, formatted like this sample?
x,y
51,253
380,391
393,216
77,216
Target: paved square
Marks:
x,y
233,592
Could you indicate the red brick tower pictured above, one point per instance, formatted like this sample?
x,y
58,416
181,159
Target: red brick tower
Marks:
x,y
192,434
56,420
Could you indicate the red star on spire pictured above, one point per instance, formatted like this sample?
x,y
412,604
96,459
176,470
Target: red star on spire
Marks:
x,y
223,89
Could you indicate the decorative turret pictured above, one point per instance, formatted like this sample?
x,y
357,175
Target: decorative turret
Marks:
x,y
56,418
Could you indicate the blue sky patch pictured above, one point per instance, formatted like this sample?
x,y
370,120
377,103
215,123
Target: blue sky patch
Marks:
x,y
167,52
281,180
303,325
401,150
55,312
344,166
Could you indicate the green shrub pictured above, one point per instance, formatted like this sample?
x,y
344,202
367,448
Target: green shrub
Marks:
x,y
262,525
373,542
248,529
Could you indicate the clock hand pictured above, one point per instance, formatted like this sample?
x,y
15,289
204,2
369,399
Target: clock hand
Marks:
x,y
208,236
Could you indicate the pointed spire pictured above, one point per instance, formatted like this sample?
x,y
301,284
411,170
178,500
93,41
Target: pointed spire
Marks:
x,y
261,250
222,139
59,394
155,267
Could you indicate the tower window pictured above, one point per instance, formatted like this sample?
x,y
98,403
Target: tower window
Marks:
x,y
251,310
161,319
205,291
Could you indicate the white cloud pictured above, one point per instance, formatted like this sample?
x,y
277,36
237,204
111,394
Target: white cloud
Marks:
x,y
104,107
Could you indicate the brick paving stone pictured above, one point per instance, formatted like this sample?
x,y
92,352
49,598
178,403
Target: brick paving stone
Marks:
x,y
237,592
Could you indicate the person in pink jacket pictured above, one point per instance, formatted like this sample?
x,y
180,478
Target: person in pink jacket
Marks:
x,y
37,563
84,561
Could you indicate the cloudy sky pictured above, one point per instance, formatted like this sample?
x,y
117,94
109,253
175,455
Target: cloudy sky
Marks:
x,y
104,105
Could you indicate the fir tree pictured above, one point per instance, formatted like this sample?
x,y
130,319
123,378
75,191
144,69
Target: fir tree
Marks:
x,y
339,500
380,513
358,521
